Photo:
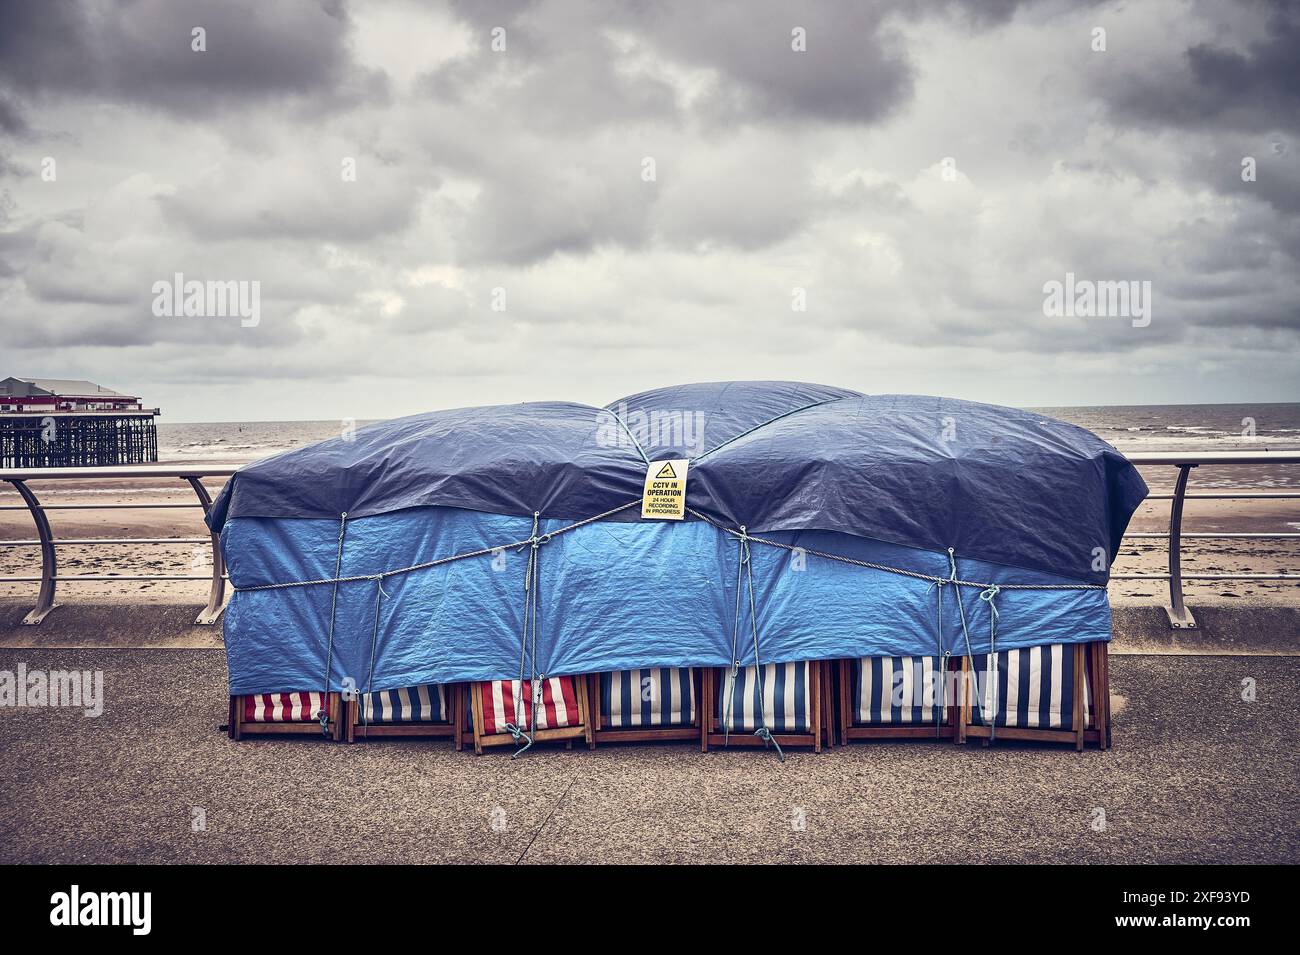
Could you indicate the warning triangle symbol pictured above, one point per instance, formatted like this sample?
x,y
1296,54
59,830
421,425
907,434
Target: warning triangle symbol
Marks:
x,y
666,471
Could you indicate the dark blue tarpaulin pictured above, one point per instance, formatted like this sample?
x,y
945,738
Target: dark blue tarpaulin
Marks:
x,y
994,484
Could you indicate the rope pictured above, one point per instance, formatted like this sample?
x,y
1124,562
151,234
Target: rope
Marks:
x,y
944,655
329,645
628,431
481,552
869,565
716,447
366,703
745,566
762,732
531,587
729,717
990,680
989,596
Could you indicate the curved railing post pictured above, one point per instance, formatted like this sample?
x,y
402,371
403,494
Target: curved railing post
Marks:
x,y
217,595
1180,618
49,562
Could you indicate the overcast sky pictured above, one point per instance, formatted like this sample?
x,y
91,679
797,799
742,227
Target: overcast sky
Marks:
x,y
920,171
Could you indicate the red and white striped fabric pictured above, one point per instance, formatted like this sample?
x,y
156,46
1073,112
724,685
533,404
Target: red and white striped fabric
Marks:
x,y
559,704
284,707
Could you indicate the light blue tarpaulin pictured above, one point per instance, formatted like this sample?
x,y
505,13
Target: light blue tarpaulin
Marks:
x,y
612,596
889,480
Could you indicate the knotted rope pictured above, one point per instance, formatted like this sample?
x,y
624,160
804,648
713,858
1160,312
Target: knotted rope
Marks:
x,y
989,595
745,566
531,587
944,656
329,644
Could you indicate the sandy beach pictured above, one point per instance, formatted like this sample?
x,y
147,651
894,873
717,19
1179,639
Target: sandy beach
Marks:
x,y
1143,556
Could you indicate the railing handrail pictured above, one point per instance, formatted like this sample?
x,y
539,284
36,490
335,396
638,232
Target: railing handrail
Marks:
x,y
18,478
225,470
126,471
1179,614
1213,457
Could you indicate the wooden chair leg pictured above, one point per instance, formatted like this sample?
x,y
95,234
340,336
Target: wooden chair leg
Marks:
x,y
816,681
845,697
1105,669
457,717
706,714
1079,671
581,685
829,669
593,697
336,707
237,723
476,699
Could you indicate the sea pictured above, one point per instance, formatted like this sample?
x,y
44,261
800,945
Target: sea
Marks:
x,y
1129,428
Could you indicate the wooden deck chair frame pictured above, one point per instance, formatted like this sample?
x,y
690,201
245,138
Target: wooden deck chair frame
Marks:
x,y
452,729
239,727
830,705
1095,658
643,734
711,732
566,733
848,729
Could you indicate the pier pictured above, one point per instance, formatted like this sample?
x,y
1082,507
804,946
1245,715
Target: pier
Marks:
x,y
55,422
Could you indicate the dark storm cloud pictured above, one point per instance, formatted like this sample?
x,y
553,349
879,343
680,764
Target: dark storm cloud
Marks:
x,y
853,71
523,170
11,118
140,51
1217,87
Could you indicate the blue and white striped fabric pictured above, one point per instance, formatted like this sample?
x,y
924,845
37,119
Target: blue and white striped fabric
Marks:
x,y
786,699
417,704
1032,688
657,696
899,691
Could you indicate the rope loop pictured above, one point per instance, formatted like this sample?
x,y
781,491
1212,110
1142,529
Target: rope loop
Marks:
x,y
519,734
765,735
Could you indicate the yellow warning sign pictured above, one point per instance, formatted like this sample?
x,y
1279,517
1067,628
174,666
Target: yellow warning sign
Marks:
x,y
665,490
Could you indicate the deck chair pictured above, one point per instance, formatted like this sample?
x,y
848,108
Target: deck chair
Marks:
x,y
897,698
284,713
791,709
654,704
1058,693
563,714
432,711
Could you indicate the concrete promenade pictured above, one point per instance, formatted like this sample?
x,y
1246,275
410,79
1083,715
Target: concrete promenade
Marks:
x,y
1196,775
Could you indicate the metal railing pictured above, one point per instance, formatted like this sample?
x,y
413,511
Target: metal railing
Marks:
x,y
49,578
1180,616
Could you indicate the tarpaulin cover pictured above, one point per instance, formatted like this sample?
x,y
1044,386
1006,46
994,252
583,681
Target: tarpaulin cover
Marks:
x,y
891,480
992,483
614,596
